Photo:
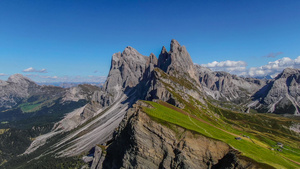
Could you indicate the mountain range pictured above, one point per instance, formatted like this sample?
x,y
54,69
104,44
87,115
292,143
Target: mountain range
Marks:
x,y
164,112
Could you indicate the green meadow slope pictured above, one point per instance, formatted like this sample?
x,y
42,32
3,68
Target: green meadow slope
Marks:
x,y
260,149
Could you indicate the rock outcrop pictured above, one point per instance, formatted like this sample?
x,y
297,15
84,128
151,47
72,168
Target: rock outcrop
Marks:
x,y
280,95
80,92
143,143
126,70
177,61
228,87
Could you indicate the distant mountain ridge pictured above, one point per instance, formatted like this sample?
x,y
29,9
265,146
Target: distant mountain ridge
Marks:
x,y
19,87
16,88
22,95
280,95
167,112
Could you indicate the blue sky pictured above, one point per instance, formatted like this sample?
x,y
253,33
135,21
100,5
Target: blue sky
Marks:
x,y
74,40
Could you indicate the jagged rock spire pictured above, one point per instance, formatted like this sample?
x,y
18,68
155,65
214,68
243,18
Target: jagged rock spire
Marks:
x,y
164,59
153,59
126,69
177,59
174,45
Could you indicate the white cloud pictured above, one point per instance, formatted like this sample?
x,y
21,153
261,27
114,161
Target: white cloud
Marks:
x,y
239,67
31,69
3,74
274,68
235,67
74,79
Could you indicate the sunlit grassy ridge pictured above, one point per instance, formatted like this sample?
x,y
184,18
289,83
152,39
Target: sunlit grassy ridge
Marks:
x,y
259,151
265,130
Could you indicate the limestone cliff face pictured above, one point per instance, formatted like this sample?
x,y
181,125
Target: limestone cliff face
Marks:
x,y
281,95
225,86
126,70
143,143
84,91
131,70
176,61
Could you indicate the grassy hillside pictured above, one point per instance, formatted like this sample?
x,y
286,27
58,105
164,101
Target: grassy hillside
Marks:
x,y
252,147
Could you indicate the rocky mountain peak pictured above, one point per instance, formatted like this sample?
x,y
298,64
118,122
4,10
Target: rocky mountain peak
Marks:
x,y
174,46
179,54
153,59
126,70
288,72
281,95
177,60
16,88
163,50
19,79
164,60
130,51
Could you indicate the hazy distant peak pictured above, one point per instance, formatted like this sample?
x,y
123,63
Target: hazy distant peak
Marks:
x,y
18,78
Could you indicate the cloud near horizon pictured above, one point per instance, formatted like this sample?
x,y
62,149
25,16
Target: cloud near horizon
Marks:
x,y
31,69
271,69
3,74
234,67
74,79
274,68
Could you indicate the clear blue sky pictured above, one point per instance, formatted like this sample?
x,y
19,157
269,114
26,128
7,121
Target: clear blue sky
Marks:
x,y
72,38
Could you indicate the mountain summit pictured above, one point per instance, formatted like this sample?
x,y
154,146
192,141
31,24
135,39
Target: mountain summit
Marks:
x,y
177,60
166,112
16,88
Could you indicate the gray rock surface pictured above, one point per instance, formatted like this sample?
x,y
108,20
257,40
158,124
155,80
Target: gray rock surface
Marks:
x,y
80,92
99,157
281,95
19,88
108,106
126,70
144,143
228,87
15,89
176,61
